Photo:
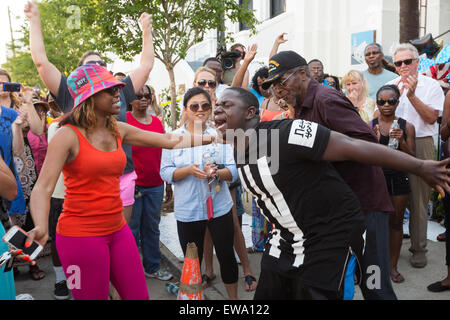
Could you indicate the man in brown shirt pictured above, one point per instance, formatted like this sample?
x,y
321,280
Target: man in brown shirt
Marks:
x,y
290,80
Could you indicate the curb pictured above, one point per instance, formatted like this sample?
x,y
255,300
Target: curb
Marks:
x,y
174,266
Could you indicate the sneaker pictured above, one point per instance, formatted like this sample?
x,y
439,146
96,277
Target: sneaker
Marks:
x,y
24,296
160,274
418,260
61,291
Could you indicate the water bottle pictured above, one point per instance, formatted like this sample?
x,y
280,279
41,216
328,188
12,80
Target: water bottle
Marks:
x,y
172,288
393,142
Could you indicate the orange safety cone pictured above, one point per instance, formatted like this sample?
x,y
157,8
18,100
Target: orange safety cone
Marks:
x,y
191,279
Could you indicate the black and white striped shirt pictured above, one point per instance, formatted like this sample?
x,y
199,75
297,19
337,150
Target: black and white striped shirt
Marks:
x,y
315,214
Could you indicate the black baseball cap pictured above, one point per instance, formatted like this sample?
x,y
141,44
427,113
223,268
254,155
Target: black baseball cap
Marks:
x,y
280,63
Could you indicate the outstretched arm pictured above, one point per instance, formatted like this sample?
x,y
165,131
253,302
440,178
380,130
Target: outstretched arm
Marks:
x,y
49,74
142,138
343,148
140,76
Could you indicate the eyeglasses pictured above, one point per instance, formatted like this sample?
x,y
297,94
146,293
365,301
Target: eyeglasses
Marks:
x,y
99,62
147,96
112,90
281,84
202,83
407,62
205,106
391,102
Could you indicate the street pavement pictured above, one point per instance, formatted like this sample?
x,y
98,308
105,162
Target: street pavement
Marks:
x,y
414,287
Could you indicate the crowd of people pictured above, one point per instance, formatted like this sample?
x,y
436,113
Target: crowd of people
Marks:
x,y
91,163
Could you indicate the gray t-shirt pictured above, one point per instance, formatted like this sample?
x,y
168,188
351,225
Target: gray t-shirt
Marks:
x,y
65,101
376,81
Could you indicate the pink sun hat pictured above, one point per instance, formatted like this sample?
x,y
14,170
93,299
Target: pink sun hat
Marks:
x,y
89,79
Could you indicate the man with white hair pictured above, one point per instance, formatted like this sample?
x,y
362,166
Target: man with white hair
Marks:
x,y
421,103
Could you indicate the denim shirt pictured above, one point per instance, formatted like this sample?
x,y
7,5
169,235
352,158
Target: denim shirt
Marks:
x,y
190,193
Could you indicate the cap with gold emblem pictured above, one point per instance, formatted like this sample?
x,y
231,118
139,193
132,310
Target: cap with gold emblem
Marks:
x,y
280,63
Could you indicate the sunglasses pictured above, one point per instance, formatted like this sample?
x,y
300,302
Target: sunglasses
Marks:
x,y
211,83
205,106
99,62
391,102
112,90
147,96
407,62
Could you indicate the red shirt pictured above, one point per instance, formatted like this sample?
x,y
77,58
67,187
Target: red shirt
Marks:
x,y
147,160
333,110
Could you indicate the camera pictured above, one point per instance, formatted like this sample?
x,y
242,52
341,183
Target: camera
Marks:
x,y
228,59
11,87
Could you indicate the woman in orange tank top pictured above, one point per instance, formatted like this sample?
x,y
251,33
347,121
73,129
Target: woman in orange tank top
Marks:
x,y
93,240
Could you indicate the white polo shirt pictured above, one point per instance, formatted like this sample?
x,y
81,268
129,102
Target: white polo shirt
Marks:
x,y
429,92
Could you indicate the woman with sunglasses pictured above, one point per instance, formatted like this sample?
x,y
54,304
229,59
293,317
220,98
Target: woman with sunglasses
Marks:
x,y
397,182
93,240
204,78
195,178
56,82
358,94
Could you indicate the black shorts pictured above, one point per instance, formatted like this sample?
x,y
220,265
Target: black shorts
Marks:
x,y
275,286
56,206
397,183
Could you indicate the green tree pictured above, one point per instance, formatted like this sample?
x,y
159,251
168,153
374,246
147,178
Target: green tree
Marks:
x,y
178,25
69,28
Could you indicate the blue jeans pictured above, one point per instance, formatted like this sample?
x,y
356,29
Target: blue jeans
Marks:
x,y
144,224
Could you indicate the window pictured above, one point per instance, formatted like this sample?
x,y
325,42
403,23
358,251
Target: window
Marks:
x,y
249,4
277,7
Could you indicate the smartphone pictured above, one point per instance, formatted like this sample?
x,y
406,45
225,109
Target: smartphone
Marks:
x,y
11,87
17,237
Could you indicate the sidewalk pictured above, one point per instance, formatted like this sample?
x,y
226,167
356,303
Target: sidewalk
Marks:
x,y
43,289
414,287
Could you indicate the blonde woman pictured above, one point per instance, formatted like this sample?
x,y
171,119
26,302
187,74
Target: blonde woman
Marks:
x,y
358,94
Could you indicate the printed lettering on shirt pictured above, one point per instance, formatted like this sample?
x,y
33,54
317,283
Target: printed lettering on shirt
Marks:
x,y
303,133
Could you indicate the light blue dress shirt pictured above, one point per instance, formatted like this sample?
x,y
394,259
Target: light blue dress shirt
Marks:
x,y
191,193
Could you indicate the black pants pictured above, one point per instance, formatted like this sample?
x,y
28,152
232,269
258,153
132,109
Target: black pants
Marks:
x,y
376,281
274,286
222,234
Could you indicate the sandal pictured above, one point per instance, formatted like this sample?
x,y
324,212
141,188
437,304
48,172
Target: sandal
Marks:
x,y
441,237
206,281
397,278
36,273
249,280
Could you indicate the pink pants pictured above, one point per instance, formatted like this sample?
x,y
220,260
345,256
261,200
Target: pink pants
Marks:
x,y
90,263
